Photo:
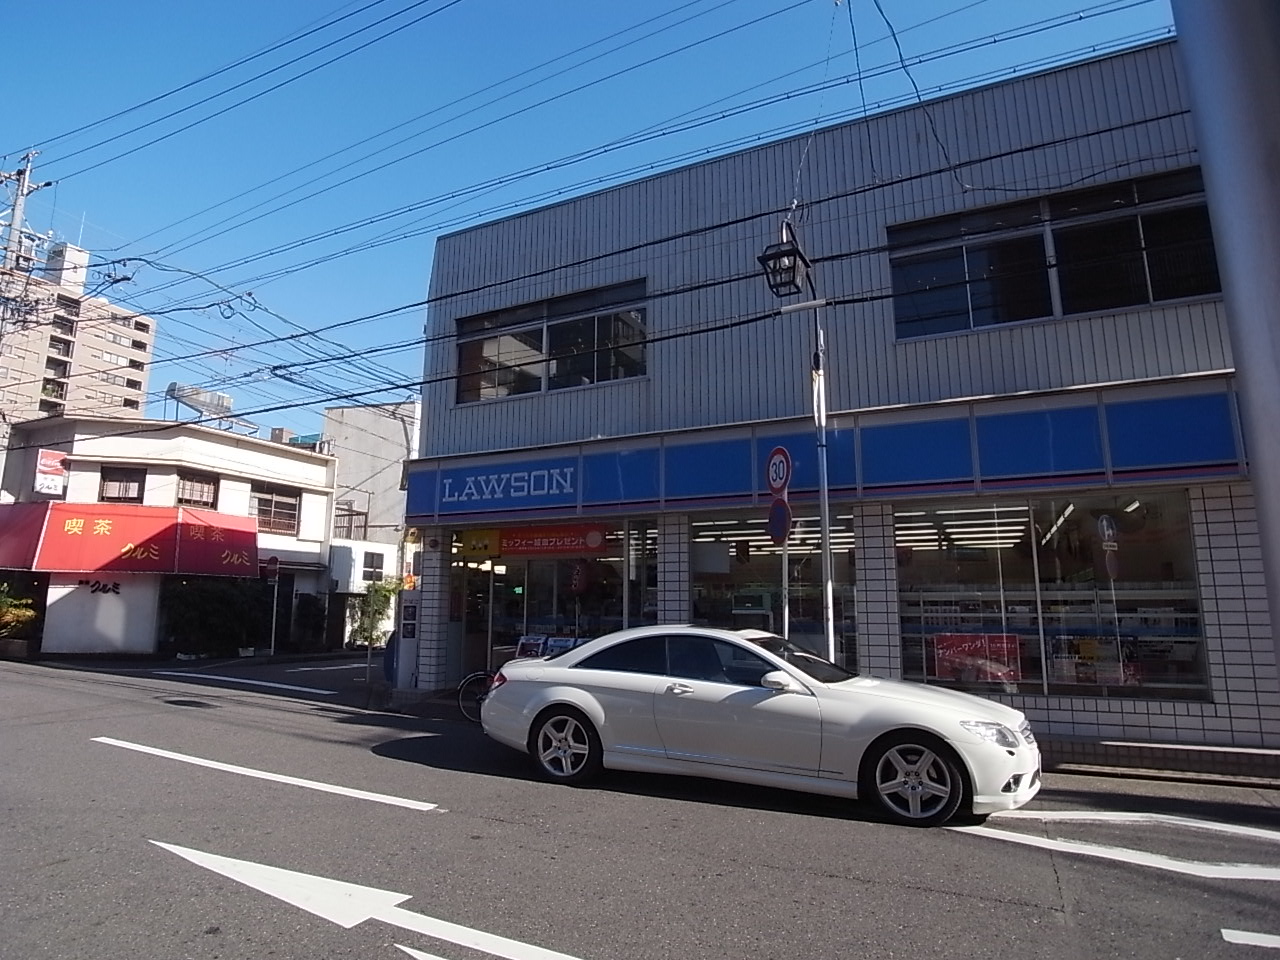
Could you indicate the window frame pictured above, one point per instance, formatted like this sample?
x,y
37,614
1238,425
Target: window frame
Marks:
x,y
1050,223
275,520
600,307
136,476
372,572
187,477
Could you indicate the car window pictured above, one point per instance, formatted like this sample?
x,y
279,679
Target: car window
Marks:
x,y
741,666
641,655
694,658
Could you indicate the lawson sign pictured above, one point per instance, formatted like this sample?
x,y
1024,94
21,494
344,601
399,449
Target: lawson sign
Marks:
x,y
526,485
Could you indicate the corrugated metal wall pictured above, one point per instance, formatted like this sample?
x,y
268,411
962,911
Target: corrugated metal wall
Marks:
x,y
702,227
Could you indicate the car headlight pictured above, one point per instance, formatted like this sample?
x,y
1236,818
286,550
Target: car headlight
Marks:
x,y
996,733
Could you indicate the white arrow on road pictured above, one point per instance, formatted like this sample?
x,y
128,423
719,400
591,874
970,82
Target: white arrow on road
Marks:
x,y
348,904
1251,939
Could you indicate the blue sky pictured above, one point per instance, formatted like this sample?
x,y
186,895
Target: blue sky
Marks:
x,y
446,115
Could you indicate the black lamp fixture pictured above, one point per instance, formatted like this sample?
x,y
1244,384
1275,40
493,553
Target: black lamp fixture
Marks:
x,y
785,265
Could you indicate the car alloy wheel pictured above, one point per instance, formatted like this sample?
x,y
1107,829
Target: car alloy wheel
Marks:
x,y
565,746
914,779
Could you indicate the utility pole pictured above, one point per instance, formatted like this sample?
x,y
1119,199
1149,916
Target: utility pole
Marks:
x,y
22,177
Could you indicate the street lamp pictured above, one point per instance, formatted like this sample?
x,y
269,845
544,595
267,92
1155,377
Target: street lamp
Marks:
x,y
786,269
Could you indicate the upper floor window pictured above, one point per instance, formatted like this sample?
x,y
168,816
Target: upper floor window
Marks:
x,y
276,508
141,326
1120,245
68,305
348,522
590,337
122,484
372,567
197,489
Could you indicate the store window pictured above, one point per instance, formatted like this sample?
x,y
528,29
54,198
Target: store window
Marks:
x,y
553,599
1077,595
1119,245
736,578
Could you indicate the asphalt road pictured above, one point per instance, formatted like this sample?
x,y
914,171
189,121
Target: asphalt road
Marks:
x,y
98,768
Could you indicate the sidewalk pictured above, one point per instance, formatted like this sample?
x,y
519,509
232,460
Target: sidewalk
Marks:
x,y
1251,766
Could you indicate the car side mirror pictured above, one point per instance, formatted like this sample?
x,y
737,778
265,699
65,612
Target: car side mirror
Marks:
x,y
779,680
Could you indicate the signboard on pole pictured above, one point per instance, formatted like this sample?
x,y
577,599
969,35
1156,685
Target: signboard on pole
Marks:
x,y
272,569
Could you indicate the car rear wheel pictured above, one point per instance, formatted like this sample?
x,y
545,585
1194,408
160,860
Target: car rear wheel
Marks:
x,y
913,779
565,746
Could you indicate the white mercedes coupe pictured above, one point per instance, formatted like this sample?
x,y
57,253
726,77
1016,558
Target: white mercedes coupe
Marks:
x,y
748,706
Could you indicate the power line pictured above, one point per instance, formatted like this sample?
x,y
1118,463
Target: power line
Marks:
x,y
950,50
198,80
256,96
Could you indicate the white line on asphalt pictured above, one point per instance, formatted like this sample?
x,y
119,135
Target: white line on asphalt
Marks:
x,y
417,954
1124,816
1209,871
252,683
1251,939
344,666
265,775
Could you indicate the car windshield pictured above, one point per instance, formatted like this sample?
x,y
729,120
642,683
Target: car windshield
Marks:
x,y
815,666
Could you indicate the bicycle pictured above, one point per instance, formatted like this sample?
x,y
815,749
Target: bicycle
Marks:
x,y
472,691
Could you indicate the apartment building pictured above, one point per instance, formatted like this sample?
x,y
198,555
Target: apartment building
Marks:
x,y
65,352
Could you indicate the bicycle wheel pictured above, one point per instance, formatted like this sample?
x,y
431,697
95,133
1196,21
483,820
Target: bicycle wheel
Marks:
x,y
471,691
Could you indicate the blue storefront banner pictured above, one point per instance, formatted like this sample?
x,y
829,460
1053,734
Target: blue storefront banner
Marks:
x,y
1116,441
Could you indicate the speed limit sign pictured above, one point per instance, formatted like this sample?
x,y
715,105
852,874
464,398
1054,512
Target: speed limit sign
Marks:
x,y
777,471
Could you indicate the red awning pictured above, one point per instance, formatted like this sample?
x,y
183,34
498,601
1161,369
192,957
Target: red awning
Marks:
x,y
126,537
210,542
20,527
117,537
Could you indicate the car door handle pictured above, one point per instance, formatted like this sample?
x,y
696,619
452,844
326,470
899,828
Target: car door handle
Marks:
x,y
679,689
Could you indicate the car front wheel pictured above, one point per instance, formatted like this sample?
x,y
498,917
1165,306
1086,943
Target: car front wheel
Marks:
x,y
565,746
913,779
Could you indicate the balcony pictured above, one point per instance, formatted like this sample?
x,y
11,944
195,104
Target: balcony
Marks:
x,y
53,390
59,347
57,368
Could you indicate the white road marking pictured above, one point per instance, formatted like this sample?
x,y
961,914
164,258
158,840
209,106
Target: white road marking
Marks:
x,y
417,954
1119,816
1209,871
344,666
1251,939
265,775
348,904
252,683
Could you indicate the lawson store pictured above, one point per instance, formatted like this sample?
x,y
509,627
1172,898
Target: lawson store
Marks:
x,y
1038,486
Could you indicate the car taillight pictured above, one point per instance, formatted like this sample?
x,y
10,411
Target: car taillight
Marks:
x,y
498,680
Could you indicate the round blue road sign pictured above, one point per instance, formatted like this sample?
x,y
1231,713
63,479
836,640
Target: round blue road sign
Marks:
x,y
779,524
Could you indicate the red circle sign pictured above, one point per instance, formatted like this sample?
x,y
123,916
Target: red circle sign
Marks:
x,y
777,471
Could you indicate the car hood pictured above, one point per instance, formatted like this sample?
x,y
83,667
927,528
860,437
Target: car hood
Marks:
x,y
963,705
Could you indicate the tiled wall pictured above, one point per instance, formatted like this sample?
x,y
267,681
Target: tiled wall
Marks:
x,y
675,601
879,635
1245,707
433,608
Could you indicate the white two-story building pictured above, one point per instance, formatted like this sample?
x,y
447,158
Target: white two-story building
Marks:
x,y
1038,485
111,516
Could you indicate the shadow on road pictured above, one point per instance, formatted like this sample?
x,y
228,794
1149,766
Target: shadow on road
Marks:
x,y
463,748
1059,797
